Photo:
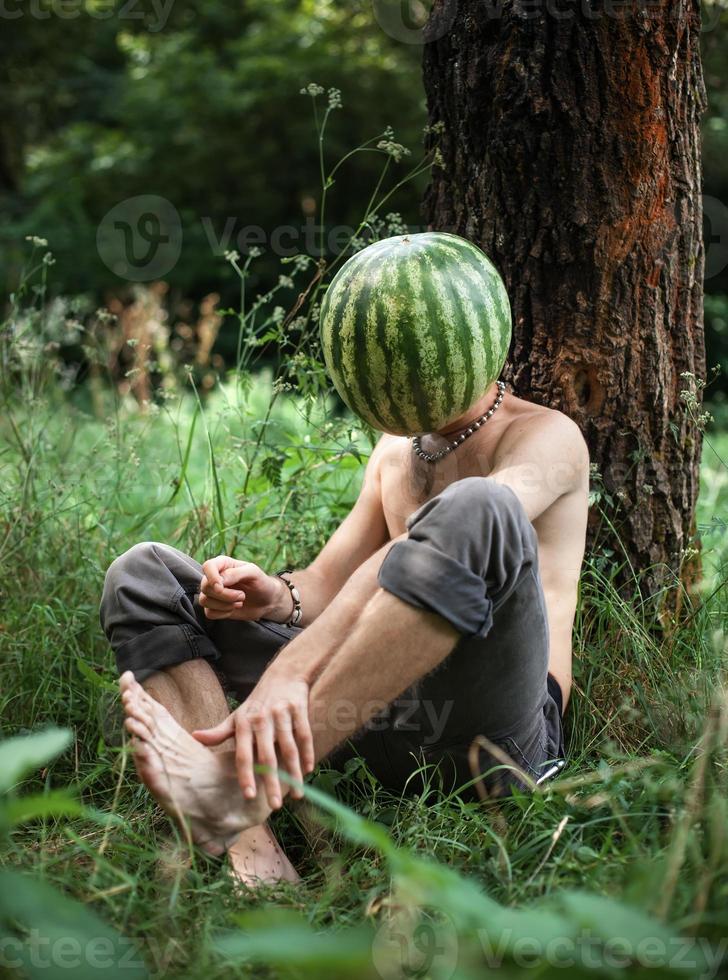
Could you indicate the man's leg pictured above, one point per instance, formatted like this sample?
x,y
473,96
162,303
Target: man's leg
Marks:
x,y
471,556
194,697
468,551
154,625
189,780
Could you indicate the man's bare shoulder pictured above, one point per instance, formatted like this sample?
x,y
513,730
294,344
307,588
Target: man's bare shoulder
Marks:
x,y
382,451
561,431
387,447
544,445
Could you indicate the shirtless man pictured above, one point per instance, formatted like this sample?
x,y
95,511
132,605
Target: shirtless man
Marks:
x,y
454,582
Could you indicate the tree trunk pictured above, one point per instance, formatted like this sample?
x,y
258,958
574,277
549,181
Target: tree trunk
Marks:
x,y
571,151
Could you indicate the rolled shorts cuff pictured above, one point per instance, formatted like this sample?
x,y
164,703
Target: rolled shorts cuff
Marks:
x,y
428,579
163,646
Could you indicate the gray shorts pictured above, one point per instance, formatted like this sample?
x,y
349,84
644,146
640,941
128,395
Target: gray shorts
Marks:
x,y
471,556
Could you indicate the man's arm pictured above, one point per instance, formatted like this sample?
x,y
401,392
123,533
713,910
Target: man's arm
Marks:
x,y
542,458
362,532
280,701
546,464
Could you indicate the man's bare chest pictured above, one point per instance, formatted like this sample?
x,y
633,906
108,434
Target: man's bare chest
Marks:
x,y
407,482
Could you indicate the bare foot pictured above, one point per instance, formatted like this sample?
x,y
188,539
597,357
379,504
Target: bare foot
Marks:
x,y
257,858
197,787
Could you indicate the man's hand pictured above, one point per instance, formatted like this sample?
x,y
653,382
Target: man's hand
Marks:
x,y
232,589
275,714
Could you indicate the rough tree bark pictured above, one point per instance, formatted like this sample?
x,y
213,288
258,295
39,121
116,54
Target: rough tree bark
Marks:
x,y
569,134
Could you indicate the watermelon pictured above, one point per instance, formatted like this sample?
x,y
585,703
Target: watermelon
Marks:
x,y
414,329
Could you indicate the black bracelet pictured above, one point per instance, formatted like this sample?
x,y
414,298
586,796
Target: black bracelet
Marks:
x,y
297,614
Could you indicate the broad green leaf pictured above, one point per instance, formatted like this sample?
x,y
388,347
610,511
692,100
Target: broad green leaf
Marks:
x,y
280,938
54,804
629,928
25,753
608,916
499,932
96,680
58,937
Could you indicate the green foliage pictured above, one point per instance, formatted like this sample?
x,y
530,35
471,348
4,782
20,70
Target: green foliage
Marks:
x,y
715,121
64,935
630,834
716,329
42,931
18,756
203,112
629,844
198,105
715,187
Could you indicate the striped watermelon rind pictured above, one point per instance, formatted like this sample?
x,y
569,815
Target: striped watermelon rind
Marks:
x,y
414,329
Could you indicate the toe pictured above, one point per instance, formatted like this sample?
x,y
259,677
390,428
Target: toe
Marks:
x,y
127,681
152,707
136,726
135,709
128,699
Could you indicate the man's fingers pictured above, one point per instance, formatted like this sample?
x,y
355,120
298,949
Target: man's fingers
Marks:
x,y
244,760
226,595
265,743
289,752
220,733
216,604
211,571
217,614
216,608
304,738
240,572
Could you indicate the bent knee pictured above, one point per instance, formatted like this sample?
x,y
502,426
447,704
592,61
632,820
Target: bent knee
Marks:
x,y
139,552
483,503
131,564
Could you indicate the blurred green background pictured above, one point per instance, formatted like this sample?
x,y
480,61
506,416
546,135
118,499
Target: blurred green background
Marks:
x,y
199,103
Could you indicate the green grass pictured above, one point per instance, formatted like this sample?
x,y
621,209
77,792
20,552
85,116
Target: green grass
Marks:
x,y
639,821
